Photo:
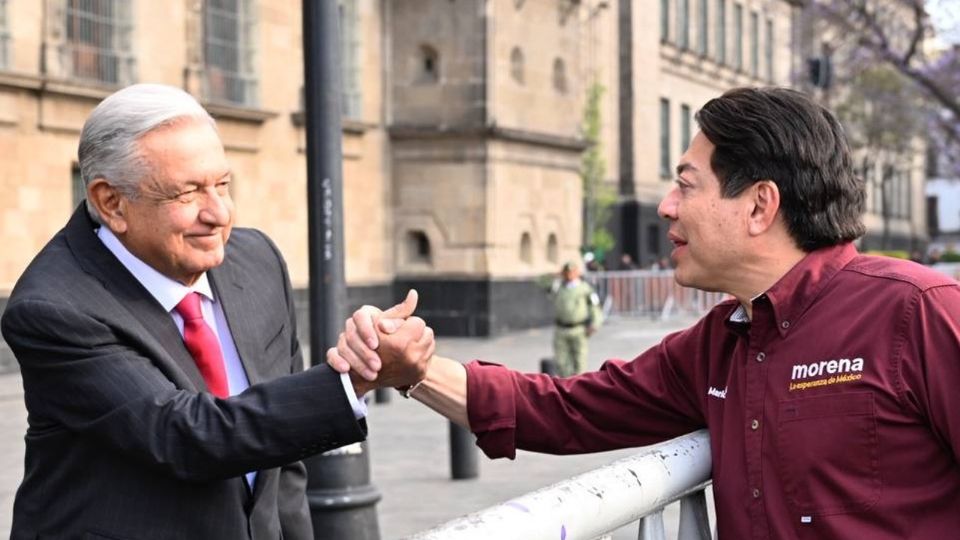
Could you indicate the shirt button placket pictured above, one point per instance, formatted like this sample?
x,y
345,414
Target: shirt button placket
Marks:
x,y
755,385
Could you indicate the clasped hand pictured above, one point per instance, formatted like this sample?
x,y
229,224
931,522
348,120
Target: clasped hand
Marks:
x,y
384,348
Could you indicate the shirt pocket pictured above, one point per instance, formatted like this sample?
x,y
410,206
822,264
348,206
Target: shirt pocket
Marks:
x,y
828,453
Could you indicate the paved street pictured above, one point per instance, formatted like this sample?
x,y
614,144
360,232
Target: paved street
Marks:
x,y
408,443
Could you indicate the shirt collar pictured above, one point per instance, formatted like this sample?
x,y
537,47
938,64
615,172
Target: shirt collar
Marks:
x,y
793,293
739,315
166,291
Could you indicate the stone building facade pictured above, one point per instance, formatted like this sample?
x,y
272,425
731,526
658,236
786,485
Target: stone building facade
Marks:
x,y
462,132
460,135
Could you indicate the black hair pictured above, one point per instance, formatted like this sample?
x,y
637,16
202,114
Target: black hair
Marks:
x,y
782,135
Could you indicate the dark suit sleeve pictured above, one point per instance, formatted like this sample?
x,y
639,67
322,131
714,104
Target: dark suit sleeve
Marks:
x,y
85,378
292,506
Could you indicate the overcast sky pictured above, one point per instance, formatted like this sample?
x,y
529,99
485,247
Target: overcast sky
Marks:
x,y
945,15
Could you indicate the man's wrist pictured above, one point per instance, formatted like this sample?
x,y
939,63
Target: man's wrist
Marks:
x,y
360,385
407,391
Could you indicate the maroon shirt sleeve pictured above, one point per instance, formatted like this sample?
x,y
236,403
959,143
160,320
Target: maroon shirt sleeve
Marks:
x,y
928,359
624,404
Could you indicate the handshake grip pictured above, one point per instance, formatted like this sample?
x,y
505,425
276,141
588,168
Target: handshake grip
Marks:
x,y
405,353
380,349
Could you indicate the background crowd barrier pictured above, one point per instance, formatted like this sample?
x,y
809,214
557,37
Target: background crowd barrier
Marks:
x,y
649,293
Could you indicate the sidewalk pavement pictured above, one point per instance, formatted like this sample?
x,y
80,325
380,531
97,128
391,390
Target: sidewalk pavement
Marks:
x,y
408,443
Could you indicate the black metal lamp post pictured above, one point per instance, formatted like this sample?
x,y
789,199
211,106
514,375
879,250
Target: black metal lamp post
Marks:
x,y
342,500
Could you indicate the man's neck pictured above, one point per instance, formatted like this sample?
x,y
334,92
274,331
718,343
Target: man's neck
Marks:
x,y
759,275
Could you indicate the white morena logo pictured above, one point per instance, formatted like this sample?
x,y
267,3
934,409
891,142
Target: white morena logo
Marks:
x,y
719,394
826,367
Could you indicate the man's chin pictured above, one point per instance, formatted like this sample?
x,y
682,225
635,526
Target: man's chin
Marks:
x,y
682,277
207,261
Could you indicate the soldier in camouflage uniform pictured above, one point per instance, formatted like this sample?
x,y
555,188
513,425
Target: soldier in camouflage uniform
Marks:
x,y
578,315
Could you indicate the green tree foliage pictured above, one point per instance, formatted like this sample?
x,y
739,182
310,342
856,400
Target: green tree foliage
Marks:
x,y
599,196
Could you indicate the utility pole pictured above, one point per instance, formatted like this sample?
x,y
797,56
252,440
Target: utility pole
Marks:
x,y
339,492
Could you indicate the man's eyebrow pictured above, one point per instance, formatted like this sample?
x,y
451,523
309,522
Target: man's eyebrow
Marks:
x,y
194,182
684,167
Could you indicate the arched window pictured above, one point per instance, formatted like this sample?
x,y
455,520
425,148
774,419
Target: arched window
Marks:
x,y
526,248
417,248
429,65
553,249
559,75
516,65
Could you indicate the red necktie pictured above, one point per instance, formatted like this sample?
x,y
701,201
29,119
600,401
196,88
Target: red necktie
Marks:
x,y
203,345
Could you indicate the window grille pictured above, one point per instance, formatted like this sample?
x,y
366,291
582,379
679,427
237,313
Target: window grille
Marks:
x,y
685,122
4,36
516,65
664,20
769,50
349,59
703,39
738,36
559,76
98,44
229,53
878,193
754,44
721,31
683,23
77,188
665,139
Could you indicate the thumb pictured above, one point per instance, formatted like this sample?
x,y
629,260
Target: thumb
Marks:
x,y
403,309
389,326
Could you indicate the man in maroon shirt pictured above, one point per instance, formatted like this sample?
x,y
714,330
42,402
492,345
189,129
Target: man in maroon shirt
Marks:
x,y
830,383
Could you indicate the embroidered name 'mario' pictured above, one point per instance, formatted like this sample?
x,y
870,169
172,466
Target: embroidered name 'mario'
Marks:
x,y
826,367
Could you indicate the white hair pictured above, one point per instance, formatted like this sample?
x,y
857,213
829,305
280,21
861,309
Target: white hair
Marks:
x,y
109,143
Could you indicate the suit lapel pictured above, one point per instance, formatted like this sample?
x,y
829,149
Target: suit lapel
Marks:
x,y
156,328
239,308
228,281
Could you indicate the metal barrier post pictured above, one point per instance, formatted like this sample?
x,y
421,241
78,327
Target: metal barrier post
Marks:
x,y
694,521
651,527
548,366
463,453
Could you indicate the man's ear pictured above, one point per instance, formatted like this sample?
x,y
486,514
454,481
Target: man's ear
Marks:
x,y
109,203
765,199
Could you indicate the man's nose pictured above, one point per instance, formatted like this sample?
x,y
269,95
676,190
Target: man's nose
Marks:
x,y
216,209
667,209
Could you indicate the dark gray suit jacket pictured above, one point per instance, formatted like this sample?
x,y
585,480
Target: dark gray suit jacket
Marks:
x,y
123,440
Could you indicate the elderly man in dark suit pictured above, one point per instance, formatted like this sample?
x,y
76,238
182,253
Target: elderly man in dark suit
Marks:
x,y
158,347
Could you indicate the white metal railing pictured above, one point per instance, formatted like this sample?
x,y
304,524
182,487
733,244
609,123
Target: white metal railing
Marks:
x,y
649,293
655,293
598,502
